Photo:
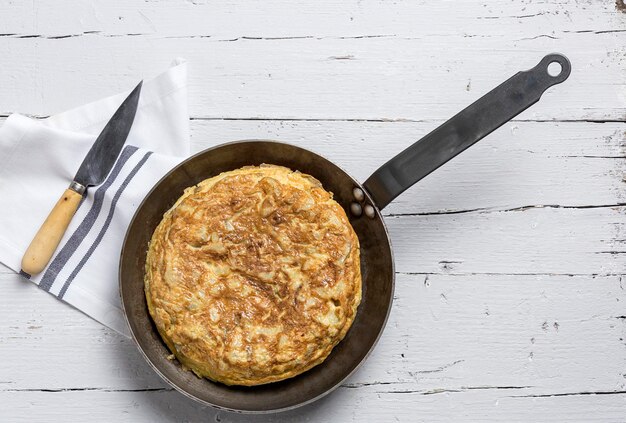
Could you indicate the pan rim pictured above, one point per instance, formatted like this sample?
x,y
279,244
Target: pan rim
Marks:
x,y
181,389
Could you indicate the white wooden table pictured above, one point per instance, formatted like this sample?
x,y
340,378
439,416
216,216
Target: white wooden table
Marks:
x,y
511,289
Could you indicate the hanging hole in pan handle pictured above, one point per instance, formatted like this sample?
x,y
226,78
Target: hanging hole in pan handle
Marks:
x,y
557,67
554,69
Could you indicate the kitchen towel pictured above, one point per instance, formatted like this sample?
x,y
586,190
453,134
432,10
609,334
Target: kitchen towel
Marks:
x,y
39,158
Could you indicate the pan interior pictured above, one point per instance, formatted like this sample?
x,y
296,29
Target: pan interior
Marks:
x,y
376,268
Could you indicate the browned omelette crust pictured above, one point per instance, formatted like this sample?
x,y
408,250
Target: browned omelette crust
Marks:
x,y
253,276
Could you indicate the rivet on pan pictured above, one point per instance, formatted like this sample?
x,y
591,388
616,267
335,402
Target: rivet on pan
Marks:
x,y
369,211
358,194
355,209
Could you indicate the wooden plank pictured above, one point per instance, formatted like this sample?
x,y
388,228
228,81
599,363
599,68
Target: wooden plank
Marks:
x,y
570,164
574,164
344,405
326,18
567,241
551,334
387,78
63,347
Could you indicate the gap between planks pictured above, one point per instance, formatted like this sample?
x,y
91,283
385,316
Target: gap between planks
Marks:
x,y
4,115
242,38
460,389
507,210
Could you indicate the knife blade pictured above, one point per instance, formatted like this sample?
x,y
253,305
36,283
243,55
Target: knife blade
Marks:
x,y
94,169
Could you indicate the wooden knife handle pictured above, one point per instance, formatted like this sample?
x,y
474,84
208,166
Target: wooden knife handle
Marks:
x,y
49,235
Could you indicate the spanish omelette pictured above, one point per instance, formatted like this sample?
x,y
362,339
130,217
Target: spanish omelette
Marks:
x,y
253,276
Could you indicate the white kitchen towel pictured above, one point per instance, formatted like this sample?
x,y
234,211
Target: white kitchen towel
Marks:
x,y
38,159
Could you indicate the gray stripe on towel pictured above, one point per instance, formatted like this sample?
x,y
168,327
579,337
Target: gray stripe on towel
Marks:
x,y
107,222
85,226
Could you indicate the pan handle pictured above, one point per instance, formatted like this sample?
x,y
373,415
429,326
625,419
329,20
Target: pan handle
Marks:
x,y
469,126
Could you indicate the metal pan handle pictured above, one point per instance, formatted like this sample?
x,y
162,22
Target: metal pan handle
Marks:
x,y
469,126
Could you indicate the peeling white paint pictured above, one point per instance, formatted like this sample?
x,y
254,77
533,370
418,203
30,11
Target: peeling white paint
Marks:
x,y
510,293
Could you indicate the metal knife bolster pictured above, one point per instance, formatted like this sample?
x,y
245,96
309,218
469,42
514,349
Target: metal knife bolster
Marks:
x,y
78,188
93,171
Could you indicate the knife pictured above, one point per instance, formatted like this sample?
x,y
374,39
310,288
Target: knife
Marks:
x,y
94,169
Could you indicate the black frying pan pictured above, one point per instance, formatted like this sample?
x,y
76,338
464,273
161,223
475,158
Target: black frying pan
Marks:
x,y
362,202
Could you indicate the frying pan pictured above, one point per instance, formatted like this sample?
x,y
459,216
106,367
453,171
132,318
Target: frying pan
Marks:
x,y
363,204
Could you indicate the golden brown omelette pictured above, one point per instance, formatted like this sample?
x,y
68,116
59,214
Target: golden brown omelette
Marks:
x,y
253,276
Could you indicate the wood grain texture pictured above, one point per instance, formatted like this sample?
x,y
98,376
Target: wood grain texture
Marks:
x,y
511,264
47,238
388,78
521,165
477,405
332,60
491,338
